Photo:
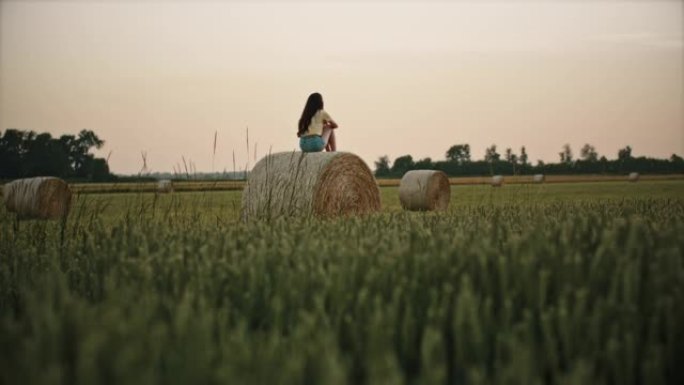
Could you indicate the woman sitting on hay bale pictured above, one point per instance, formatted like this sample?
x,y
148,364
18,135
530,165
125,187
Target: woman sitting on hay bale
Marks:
x,y
315,129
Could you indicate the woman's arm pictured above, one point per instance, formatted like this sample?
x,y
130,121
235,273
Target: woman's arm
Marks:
x,y
328,122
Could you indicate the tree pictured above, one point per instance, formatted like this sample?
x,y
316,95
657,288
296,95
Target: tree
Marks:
x,y
80,147
512,159
625,158
588,153
27,154
11,152
566,154
523,156
514,162
424,164
97,169
382,166
625,153
459,153
45,156
402,164
491,155
604,164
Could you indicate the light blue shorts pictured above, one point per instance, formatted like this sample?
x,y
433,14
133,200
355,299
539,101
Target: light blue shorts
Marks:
x,y
311,143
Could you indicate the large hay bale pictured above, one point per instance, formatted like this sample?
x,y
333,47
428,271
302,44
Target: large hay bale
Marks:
x,y
497,181
165,186
38,198
297,184
633,176
421,190
539,178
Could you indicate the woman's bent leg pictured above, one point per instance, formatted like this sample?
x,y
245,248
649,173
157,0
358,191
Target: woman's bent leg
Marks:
x,y
328,137
325,135
332,142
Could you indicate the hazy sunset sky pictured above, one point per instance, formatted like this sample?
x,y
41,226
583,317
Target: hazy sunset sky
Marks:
x,y
399,77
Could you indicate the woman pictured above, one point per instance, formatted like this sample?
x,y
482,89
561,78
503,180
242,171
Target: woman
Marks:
x,y
315,129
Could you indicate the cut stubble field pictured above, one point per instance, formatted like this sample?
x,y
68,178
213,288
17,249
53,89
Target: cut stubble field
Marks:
x,y
224,205
572,283
238,185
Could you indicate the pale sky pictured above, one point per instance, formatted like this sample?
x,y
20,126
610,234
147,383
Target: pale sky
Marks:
x,y
400,78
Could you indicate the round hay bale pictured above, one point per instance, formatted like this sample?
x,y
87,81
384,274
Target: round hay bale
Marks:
x,y
421,190
165,186
633,176
497,181
38,198
297,184
539,178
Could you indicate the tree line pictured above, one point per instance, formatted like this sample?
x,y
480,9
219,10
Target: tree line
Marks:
x,y
27,154
458,162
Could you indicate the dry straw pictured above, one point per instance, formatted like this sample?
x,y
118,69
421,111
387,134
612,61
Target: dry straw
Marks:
x,y
633,176
38,198
539,178
165,186
497,181
322,184
424,190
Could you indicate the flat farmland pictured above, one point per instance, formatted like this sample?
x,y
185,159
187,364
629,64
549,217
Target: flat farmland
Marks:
x,y
225,204
556,283
230,185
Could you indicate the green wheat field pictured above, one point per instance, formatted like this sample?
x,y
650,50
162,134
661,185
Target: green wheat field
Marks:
x,y
579,283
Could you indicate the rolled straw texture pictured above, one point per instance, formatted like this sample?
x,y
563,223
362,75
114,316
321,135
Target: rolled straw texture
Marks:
x,y
165,186
424,190
497,181
297,184
38,198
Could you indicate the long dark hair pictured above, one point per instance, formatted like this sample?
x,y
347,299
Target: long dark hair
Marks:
x,y
313,104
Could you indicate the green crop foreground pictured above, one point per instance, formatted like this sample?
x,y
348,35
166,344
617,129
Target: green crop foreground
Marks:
x,y
517,285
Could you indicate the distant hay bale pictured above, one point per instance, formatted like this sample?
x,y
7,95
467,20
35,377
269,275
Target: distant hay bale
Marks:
x,y
633,176
421,190
497,181
539,178
165,186
297,184
38,198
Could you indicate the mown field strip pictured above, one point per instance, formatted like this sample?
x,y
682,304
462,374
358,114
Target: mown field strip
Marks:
x,y
528,179
231,185
226,204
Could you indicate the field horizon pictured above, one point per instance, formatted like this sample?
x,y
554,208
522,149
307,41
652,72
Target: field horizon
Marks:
x,y
184,184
